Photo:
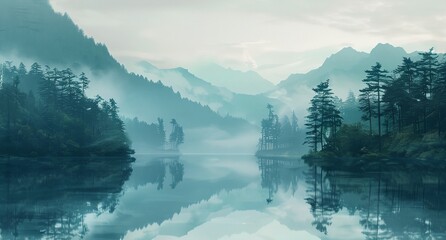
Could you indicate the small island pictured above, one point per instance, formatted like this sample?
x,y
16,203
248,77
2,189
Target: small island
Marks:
x,y
151,138
398,119
46,113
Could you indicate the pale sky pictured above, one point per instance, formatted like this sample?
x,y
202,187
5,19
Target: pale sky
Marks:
x,y
274,38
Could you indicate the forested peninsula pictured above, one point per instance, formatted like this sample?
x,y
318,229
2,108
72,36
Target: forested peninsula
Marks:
x,y
45,112
401,115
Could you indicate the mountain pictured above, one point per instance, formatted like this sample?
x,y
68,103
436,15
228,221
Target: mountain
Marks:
x,y
345,69
248,82
31,31
219,99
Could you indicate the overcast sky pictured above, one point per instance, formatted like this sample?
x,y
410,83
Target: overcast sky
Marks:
x,y
274,38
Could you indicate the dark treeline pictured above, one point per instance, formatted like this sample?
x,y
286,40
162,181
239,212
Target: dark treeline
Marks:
x,y
387,203
159,171
411,99
401,106
324,119
152,137
49,198
46,112
278,172
279,134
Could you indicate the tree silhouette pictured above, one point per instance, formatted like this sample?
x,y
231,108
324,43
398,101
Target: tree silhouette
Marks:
x,y
176,136
270,130
376,78
324,118
60,120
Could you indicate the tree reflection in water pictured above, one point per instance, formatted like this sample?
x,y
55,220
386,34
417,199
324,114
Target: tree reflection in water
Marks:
x,y
155,170
277,172
49,197
398,202
323,197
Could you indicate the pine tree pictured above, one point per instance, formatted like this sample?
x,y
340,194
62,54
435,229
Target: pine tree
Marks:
x,y
324,118
427,72
22,70
404,88
177,135
313,124
427,68
270,130
376,78
84,82
161,133
440,96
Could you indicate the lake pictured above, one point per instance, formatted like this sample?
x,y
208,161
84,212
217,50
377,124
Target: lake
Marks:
x,y
215,197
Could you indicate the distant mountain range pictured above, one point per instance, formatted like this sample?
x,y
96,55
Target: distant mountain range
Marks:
x,y
31,31
345,69
219,99
237,81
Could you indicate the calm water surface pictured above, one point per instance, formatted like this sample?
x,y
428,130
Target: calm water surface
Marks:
x,y
215,197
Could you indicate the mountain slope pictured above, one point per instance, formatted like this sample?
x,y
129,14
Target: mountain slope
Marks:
x,y
236,81
345,69
32,31
221,100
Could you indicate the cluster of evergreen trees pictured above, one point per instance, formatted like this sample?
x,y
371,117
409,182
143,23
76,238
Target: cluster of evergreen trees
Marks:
x,y
176,136
324,117
152,136
46,112
412,98
279,134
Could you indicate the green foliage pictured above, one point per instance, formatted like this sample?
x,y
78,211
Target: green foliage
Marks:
x,y
349,109
410,107
61,121
270,130
53,38
152,137
176,136
324,117
278,136
351,140
371,96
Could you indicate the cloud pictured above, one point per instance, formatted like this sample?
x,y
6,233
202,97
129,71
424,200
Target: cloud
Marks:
x,y
232,209
244,217
243,35
214,140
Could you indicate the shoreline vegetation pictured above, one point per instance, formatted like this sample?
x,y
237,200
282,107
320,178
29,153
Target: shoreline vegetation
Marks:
x,y
46,113
400,120
153,139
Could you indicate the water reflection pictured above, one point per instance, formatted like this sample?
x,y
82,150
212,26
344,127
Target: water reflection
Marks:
x,y
155,170
277,172
396,203
173,197
49,197
322,196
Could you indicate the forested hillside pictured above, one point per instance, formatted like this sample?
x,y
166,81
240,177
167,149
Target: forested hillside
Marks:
x,y
46,112
32,32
